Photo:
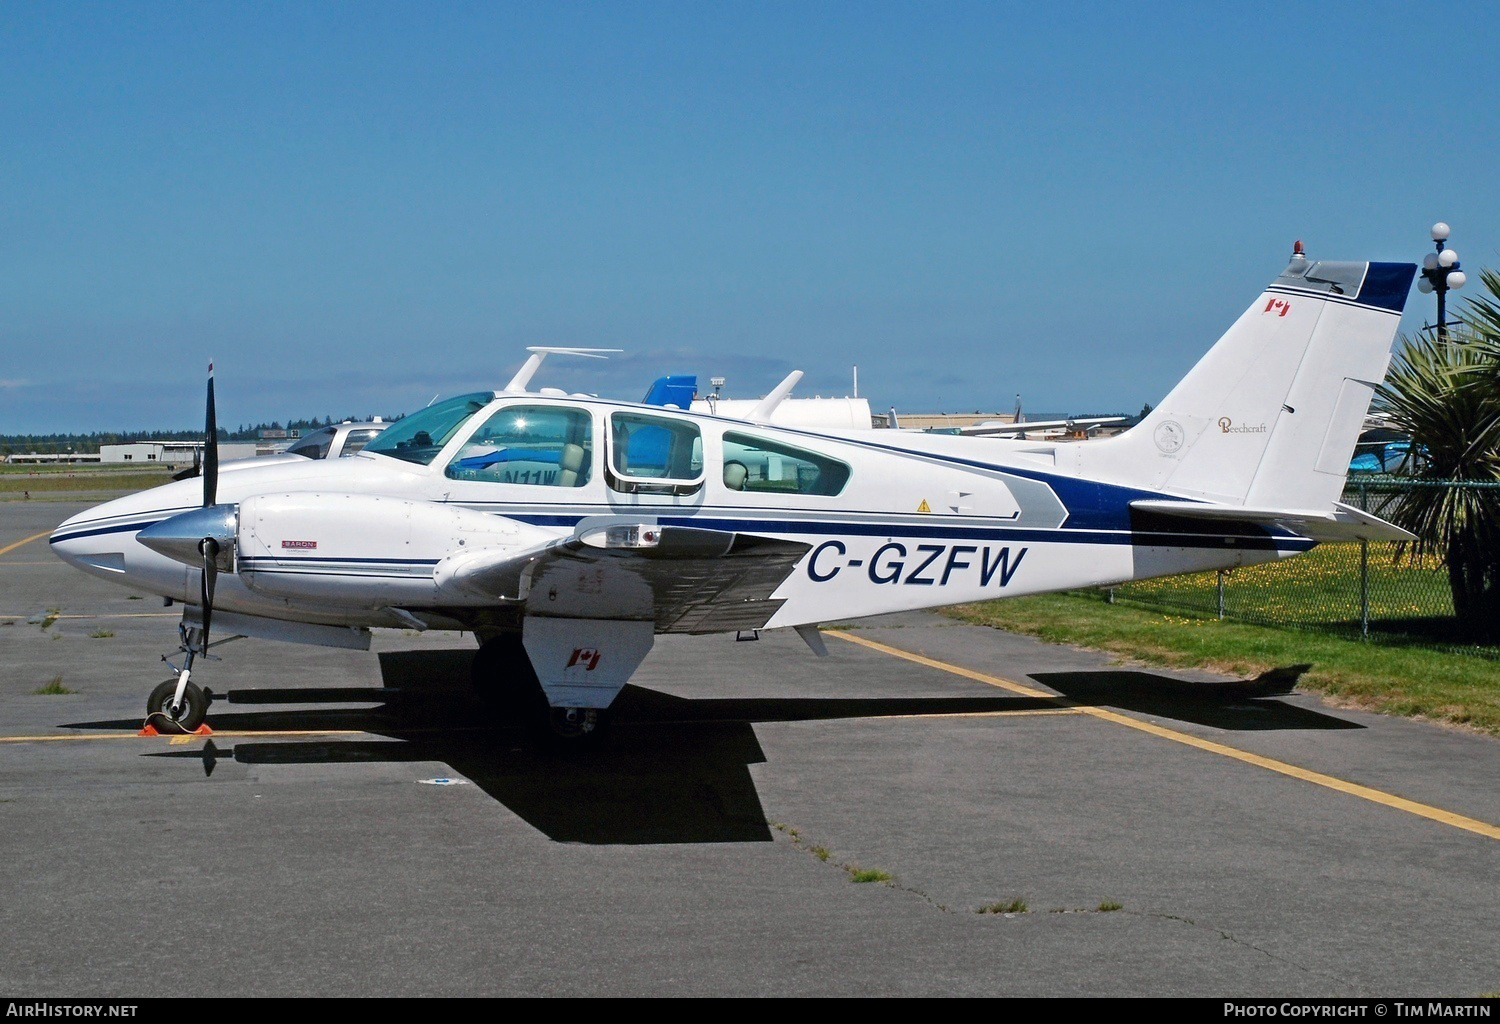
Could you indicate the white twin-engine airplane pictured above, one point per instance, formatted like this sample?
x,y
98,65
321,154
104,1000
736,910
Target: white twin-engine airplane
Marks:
x,y
565,532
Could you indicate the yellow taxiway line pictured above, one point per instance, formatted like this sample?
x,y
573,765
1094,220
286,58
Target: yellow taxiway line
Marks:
x,y
995,714
35,536
106,615
1270,764
181,738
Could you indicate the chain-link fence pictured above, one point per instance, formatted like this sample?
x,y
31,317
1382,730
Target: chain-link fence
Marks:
x,y
1354,589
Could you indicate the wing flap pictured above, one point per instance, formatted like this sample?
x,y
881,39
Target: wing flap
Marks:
x,y
687,580
683,579
1340,523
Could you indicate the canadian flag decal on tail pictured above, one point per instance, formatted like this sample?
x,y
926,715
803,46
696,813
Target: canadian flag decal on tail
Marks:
x,y
588,657
1278,306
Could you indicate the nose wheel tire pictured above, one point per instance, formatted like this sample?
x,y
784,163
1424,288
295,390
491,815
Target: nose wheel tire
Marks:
x,y
187,717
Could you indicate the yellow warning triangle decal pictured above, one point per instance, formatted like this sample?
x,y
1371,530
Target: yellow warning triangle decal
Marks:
x,y
923,507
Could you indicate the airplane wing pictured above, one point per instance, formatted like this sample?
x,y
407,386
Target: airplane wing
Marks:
x,y
1019,429
1341,523
683,579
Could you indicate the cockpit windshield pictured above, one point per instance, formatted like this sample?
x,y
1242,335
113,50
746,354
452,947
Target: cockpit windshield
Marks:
x,y
314,445
419,437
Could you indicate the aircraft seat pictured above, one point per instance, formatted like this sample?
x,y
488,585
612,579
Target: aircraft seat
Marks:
x,y
569,465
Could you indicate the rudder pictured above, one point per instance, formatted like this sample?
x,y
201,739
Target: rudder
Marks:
x,y
1270,415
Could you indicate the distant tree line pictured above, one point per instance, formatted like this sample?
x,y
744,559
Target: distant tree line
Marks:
x,y
88,444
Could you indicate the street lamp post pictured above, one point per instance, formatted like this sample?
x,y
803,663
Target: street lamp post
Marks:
x,y
1441,274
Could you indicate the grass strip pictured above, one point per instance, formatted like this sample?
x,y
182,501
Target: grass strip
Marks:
x,y
1408,681
80,479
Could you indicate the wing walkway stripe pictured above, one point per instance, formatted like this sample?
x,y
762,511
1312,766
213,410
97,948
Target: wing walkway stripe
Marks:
x,y
1316,778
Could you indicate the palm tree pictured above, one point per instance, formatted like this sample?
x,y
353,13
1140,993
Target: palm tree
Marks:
x,y
1445,393
1481,319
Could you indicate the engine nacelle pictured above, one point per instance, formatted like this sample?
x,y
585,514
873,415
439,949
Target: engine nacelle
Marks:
x,y
364,551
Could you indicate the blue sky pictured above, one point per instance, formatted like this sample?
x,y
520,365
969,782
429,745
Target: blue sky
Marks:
x,y
353,207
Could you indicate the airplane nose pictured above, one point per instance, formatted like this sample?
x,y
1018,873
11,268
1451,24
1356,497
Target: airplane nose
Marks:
x,y
178,537
84,544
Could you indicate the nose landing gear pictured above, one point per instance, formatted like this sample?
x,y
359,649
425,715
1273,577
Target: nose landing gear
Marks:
x,y
179,705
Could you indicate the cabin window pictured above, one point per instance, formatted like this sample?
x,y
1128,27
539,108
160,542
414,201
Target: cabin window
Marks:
x,y
538,445
357,439
757,464
419,437
654,448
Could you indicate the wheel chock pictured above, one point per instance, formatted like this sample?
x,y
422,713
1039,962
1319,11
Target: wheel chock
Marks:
x,y
147,729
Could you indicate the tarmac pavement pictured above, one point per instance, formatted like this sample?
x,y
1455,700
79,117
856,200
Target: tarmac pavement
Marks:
x,y
358,826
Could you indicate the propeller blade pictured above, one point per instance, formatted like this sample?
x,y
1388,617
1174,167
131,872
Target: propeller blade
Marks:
x,y
210,447
194,469
210,578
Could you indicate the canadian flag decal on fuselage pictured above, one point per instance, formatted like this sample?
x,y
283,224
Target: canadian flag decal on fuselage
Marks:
x,y
588,657
1280,307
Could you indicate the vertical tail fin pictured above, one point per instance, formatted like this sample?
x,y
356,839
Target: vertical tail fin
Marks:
x,y
1270,414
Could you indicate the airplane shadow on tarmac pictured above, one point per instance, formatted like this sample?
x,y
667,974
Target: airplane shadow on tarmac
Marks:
x,y
670,769
1236,705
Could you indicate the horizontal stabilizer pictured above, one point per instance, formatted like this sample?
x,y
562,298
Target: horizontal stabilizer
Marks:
x,y
1340,523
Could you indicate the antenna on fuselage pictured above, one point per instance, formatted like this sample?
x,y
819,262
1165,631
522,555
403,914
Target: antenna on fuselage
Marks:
x,y
517,385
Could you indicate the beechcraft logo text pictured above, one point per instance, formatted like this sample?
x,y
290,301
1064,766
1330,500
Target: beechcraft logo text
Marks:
x,y
588,657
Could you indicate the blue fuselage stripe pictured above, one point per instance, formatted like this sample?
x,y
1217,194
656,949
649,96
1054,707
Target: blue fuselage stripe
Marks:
x,y
1067,534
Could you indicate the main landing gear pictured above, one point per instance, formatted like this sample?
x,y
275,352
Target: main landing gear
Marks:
x,y
508,685
576,725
